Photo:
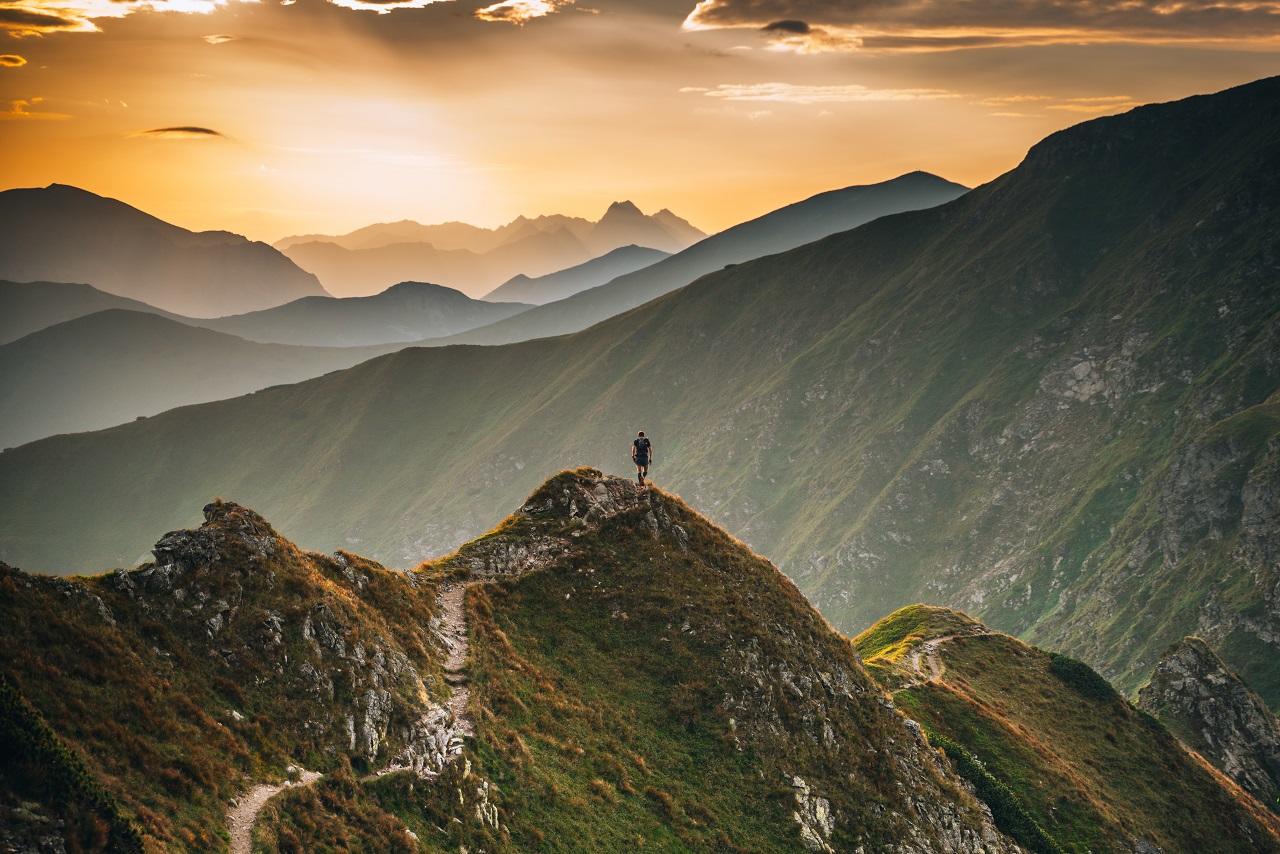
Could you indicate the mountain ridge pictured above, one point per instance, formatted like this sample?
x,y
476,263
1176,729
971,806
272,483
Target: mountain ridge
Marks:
x,y
126,251
1050,402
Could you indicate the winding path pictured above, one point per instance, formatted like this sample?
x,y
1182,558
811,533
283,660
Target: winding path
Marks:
x,y
451,629
241,817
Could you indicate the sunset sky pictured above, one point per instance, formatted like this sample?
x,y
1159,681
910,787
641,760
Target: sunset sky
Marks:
x,y
271,117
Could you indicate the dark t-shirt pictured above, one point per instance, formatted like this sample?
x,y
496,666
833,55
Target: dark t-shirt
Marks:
x,y
642,449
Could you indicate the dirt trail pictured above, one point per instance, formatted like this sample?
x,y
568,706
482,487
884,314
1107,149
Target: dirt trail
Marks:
x,y
924,663
450,626
241,817
452,631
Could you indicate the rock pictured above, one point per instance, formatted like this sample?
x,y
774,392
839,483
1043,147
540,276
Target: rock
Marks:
x,y
1201,700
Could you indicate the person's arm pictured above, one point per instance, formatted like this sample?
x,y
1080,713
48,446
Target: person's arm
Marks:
x,y
633,452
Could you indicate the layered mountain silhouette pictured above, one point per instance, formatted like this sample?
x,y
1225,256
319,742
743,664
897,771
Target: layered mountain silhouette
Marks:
x,y
476,261
565,283
1051,402
409,311
606,669
777,231
65,234
114,366
27,307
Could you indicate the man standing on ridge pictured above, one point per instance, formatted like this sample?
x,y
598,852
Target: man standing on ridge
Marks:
x,y
641,455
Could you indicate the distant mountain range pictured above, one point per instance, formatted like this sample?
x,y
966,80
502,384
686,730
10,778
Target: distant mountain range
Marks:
x,y
64,234
1051,402
565,283
474,260
605,668
409,311
114,366
776,231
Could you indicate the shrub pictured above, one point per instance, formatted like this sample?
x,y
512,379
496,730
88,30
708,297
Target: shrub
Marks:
x,y
1006,807
32,754
1082,678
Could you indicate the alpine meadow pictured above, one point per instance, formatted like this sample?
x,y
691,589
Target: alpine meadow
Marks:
x,y
434,426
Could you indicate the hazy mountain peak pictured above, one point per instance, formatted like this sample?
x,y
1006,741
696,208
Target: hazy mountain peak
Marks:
x,y
622,208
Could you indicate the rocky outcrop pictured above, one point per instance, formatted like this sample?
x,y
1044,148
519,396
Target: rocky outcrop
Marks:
x,y
1197,696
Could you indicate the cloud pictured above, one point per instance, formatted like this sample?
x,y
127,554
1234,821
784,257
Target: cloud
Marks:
x,y
520,12
790,93
1098,104
23,18
382,7
181,132
12,60
218,38
23,109
930,25
791,26
26,21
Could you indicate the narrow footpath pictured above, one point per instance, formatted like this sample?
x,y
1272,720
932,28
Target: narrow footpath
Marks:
x,y
451,628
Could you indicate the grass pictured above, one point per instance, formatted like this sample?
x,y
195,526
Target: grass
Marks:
x,y
1056,748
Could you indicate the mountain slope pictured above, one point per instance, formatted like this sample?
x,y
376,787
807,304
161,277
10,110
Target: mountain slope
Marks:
x,y
637,678
566,283
777,231
27,307
1198,697
65,234
1051,402
409,311
1091,771
114,366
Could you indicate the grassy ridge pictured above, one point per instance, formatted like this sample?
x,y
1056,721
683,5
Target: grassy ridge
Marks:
x,y
1076,760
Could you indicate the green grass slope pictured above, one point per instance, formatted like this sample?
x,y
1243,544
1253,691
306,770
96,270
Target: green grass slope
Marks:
x,y
1050,402
1070,763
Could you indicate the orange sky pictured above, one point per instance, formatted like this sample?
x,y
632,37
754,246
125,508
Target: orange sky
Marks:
x,y
327,115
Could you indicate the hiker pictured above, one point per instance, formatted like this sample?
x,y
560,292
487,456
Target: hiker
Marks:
x,y
641,455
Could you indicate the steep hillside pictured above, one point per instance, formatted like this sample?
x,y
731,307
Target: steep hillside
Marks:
x,y
65,234
114,366
409,311
1207,705
27,307
230,658
1071,763
1051,402
777,231
360,263
566,283
635,678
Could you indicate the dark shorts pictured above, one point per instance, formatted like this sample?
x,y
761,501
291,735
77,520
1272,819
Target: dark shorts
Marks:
x,y
642,461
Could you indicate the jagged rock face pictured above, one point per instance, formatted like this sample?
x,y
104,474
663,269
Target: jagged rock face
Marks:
x,y
1198,697
240,652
